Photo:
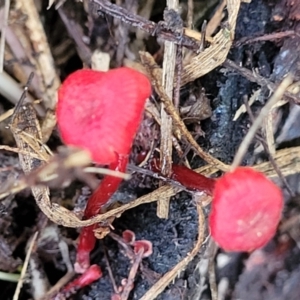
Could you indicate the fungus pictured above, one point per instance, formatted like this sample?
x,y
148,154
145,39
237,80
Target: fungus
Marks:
x,y
144,246
192,180
188,178
101,112
246,210
246,205
128,236
83,280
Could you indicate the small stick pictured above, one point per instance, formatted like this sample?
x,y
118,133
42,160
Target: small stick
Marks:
x,y
110,273
266,37
3,33
176,92
203,35
169,65
211,270
25,265
150,27
190,14
260,80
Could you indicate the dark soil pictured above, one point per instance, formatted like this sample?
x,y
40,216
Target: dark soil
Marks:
x,y
269,273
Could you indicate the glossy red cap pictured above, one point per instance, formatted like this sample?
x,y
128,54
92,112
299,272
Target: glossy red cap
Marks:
x,y
246,210
101,111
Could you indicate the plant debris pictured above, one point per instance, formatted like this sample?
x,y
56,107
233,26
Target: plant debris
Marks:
x,y
219,74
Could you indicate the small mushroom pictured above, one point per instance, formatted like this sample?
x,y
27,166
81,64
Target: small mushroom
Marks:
x,y
144,246
128,236
246,210
101,112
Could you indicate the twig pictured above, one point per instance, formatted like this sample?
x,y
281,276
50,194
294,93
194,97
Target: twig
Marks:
x,y
260,80
108,268
178,72
190,14
215,21
213,248
266,37
203,35
75,31
3,33
276,167
25,265
166,121
19,151
257,123
45,62
58,285
150,27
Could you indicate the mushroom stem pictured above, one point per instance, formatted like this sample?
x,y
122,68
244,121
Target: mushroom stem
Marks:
x,y
92,274
107,188
192,180
188,178
101,195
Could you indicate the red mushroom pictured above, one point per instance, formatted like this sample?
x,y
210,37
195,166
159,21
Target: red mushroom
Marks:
x,y
246,206
128,236
83,280
246,210
101,112
144,246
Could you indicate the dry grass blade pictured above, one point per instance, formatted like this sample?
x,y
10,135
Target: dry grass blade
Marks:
x,y
39,42
217,52
25,265
45,63
16,150
27,132
215,21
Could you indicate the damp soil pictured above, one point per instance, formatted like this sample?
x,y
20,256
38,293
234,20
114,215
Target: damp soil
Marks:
x,y
269,273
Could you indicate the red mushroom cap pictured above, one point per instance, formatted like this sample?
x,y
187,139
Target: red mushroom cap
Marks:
x,y
145,245
128,236
101,111
246,210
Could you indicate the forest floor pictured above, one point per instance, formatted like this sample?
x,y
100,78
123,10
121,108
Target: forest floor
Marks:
x,y
259,44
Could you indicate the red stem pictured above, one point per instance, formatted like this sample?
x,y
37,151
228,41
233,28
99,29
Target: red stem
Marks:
x,y
188,178
192,180
101,195
92,274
